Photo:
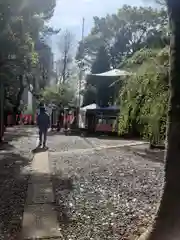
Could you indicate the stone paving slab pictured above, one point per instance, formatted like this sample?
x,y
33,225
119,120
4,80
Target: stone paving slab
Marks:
x,y
40,193
38,179
40,218
40,221
40,164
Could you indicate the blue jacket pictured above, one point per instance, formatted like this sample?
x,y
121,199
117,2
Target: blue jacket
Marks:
x,y
43,121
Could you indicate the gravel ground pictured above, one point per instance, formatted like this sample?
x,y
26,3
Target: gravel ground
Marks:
x,y
21,140
107,141
60,142
108,194
14,158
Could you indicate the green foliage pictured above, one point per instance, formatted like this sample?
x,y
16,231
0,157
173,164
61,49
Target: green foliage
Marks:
x,y
144,96
62,94
136,39
21,25
131,38
124,33
89,94
99,89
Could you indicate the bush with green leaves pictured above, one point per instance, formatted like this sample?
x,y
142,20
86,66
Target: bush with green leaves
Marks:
x,y
58,94
144,95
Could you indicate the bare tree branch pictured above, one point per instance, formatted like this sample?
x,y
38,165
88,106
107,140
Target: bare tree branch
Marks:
x,y
65,45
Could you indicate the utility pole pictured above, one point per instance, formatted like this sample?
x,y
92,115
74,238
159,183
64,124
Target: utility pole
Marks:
x,y
81,62
56,71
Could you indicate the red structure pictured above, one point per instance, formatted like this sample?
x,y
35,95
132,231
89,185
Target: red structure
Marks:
x,y
26,119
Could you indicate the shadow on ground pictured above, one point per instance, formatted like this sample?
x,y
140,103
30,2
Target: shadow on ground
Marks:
x,y
5,146
54,133
149,154
14,180
78,132
62,187
13,188
40,208
16,132
39,150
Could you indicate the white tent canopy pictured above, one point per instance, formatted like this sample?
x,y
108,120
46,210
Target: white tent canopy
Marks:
x,y
91,106
82,115
112,73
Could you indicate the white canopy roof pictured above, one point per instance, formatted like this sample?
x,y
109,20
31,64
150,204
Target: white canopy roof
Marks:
x,y
91,106
113,73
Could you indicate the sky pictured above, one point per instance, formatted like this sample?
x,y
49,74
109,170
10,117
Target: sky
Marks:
x,y
69,13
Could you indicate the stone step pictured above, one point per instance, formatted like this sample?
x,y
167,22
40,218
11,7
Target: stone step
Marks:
x,y
40,164
39,178
40,222
40,219
40,193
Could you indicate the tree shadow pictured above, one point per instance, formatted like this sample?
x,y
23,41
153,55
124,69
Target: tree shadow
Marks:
x,y
13,189
62,188
15,178
16,132
155,155
5,146
109,136
103,135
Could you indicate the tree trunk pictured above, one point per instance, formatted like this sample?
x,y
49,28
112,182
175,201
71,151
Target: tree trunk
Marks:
x,y
167,222
18,101
1,110
64,68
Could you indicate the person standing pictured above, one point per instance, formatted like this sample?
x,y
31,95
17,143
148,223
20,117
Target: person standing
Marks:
x,y
60,117
43,123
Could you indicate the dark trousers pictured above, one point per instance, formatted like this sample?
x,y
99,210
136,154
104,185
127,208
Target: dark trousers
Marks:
x,y
42,134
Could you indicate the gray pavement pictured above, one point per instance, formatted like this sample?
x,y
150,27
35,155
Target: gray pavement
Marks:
x,y
39,218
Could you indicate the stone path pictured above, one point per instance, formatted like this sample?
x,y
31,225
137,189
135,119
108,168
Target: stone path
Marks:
x,y
40,219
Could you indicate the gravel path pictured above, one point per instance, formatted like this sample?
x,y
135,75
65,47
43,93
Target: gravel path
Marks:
x,y
107,141
14,158
60,142
107,194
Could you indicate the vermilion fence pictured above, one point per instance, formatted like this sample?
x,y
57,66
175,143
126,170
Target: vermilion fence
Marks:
x,y
27,119
22,119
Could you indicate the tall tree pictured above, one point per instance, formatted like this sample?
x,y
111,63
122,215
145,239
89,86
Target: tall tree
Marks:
x,y
104,93
167,221
124,33
21,24
59,94
45,64
143,96
64,64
